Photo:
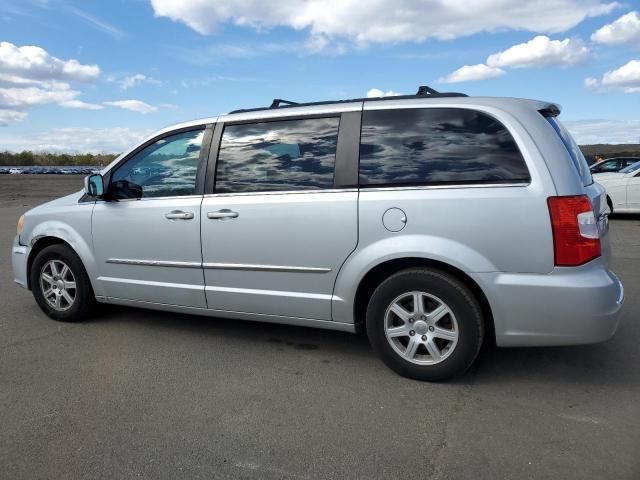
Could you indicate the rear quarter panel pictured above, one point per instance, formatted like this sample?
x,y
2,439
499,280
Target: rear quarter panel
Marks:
x,y
474,228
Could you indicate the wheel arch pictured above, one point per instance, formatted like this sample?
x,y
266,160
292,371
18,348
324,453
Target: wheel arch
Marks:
x,y
377,274
37,245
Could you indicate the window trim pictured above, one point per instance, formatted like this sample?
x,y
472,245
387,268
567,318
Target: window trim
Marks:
x,y
202,161
452,184
342,176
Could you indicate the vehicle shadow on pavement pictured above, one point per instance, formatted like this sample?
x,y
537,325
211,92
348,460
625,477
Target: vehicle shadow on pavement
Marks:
x,y
600,364
287,336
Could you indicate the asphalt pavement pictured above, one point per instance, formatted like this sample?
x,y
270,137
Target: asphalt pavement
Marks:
x,y
135,393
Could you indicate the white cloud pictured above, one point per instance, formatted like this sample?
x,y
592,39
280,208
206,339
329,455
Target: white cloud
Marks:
x,y
30,76
383,21
75,140
376,92
472,73
137,79
625,78
591,83
625,29
29,96
133,105
538,52
97,23
34,63
589,132
7,116
81,105
541,52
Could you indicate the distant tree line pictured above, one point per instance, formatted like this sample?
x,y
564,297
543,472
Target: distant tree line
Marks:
x,y
610,151
28,158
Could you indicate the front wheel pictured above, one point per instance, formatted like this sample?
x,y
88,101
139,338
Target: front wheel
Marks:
x,y
425,324
60,284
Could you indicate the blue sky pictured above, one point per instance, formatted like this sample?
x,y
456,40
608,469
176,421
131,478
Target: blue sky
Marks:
x,y
104,74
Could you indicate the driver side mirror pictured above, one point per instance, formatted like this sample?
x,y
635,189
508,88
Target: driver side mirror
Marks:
x,y
94,185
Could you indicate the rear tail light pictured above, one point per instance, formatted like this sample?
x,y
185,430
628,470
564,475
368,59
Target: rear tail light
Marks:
x,y
576,239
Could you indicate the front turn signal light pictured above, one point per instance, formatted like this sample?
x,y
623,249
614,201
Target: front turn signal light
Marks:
x,y
20,224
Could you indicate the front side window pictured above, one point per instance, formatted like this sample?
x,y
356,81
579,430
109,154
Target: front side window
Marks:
x,y
437,146
277,156
166,168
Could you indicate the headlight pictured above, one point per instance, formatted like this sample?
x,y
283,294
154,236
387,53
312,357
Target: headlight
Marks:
x,y
20,224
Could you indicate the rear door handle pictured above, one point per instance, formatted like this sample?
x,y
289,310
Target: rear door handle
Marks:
x,y
222,214
179,215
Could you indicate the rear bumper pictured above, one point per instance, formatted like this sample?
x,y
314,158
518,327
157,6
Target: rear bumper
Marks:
x,y
19,257
569,306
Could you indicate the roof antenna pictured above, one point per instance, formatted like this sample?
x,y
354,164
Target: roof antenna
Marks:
x,y
424,90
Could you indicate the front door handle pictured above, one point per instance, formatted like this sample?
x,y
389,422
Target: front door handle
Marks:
x,y
222,214
178,215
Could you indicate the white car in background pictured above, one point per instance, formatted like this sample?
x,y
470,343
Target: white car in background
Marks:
x,y
623,188
15,171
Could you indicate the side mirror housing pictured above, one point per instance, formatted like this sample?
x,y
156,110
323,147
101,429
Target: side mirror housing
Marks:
x,y
94,185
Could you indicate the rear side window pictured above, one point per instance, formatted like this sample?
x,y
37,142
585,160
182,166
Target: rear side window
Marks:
x,y
281,155
574,151
437,146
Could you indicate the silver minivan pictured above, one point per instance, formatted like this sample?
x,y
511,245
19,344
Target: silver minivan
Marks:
x,y
433,222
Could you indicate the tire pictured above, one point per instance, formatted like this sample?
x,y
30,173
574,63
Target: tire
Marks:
x,y
610,205
49,291
445,339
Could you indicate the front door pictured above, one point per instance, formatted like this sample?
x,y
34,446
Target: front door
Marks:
x,y
147,236
276,231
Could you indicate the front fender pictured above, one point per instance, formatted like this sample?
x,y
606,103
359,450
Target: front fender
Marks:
x,y
78,237
361,261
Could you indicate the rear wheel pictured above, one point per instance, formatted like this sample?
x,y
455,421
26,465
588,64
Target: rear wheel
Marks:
x,y
425,324
60,284
610,204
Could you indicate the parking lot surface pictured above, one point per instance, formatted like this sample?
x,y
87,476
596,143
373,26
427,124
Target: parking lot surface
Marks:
x,y
136,393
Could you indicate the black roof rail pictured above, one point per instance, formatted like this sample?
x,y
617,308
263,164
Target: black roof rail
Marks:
x,y
423,92
277,101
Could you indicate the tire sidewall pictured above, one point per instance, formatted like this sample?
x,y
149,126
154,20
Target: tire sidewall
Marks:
x,y
457,297
84,292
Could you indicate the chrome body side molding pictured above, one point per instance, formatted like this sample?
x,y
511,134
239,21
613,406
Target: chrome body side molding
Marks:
x,y
264,268
218,266
154,263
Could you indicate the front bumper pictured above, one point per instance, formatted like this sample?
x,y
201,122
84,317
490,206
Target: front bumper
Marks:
x,y
19,258
569,306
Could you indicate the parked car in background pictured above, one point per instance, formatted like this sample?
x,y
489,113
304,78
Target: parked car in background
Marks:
x,y
623,188
15,171
613,164
433,221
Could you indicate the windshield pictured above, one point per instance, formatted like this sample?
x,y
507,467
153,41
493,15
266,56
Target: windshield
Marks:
x,y
631,168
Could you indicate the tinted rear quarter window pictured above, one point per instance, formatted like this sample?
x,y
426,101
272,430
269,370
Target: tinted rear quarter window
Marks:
x,y
573,150
437,146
